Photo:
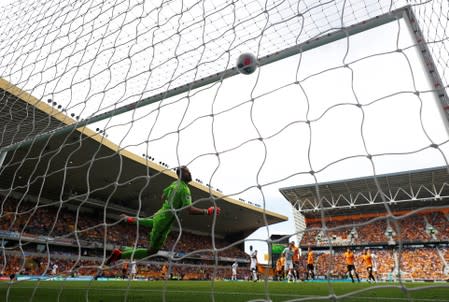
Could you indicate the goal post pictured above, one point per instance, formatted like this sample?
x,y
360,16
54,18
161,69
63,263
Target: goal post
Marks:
x,y
429,65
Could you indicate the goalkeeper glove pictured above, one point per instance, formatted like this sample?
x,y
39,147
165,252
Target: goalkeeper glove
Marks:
x,y
211,210
128,219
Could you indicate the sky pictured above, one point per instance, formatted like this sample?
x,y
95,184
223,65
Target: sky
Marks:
x,y
323,110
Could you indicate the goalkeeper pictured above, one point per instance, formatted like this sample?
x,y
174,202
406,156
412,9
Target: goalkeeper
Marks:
x,y
174,197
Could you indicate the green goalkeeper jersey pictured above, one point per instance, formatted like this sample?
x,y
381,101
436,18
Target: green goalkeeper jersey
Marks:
x,y
176,195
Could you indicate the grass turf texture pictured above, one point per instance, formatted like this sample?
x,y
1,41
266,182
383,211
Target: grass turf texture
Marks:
x,y
96,291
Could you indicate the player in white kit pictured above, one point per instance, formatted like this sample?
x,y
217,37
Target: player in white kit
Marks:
x,y
288,266
253,263
234,267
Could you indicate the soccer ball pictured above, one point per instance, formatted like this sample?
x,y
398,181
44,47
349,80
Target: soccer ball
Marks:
x,y
246,63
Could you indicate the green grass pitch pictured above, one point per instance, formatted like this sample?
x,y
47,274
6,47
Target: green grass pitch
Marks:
x,y
98,291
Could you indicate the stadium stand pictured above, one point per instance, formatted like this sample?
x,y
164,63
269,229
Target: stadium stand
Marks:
x,y
91,234
409,242
77,224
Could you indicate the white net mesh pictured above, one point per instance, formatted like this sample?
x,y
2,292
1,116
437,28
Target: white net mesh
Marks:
x,y
101,99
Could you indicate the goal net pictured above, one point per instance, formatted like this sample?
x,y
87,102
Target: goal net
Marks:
x,y
101,102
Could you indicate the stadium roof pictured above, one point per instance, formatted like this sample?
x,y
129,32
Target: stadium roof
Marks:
x,y
401,191
61,167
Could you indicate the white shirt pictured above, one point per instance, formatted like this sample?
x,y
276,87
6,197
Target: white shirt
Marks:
x,y
253,259
234,267
54,268
288,253
133,267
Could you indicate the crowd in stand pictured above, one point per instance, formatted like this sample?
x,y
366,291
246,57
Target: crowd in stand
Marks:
x,y
354,231
83,227
424,263
90,228
415,264
439,221
66,267
414,260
